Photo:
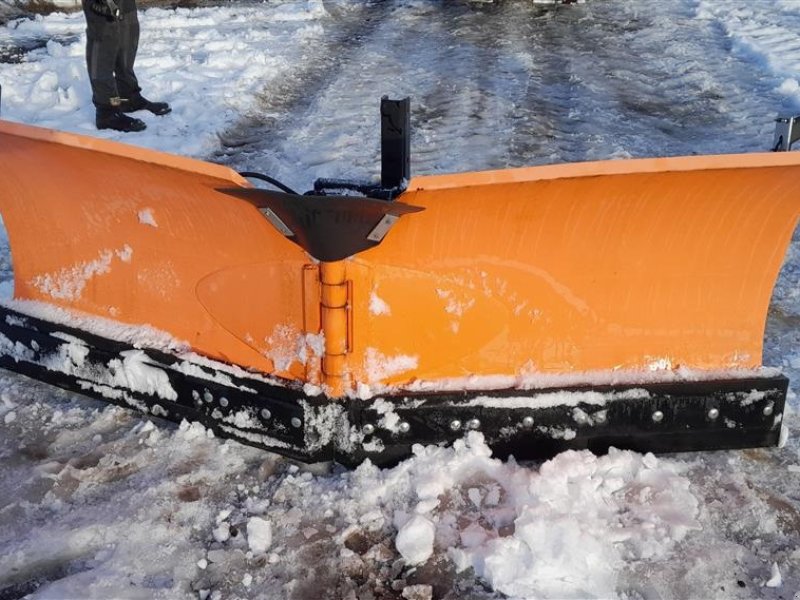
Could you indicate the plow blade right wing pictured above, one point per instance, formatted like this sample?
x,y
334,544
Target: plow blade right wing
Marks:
x,y
587,272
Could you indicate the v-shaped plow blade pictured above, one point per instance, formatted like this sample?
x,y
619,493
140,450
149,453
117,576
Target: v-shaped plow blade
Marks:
x,y
572,306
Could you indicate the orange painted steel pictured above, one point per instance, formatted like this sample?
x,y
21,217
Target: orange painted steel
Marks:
x,y
620,265
626,265
334,308
143,238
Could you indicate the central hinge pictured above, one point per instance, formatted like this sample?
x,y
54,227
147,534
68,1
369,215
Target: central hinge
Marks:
x,y
336,323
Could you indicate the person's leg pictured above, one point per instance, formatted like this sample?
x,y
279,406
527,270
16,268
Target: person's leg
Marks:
x,y
127,83
102,47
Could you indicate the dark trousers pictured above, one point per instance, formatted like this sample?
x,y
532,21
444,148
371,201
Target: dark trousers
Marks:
x,y
110,53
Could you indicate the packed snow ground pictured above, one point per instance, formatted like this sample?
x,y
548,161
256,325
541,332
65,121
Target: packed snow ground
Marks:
x,y
96,502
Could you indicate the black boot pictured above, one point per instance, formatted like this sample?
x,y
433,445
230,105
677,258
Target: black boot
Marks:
x,y
111,118
141,103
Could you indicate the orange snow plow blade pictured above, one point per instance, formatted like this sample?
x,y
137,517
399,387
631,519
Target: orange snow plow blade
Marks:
x,y
625,265
129,234
582,276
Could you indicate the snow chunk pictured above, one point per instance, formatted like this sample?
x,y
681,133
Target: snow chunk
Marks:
x,y
783,436
135,372
222,532
379,366
789,87
660,364
577,521
775,580
418,592
146,217
377,306
389,420
259,534
287,345
415,540
125,253
68,283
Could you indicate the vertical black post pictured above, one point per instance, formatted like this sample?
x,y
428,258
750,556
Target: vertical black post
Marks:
x,y
395,142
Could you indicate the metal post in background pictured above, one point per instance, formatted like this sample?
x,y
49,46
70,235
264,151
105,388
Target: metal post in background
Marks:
x,y
395,142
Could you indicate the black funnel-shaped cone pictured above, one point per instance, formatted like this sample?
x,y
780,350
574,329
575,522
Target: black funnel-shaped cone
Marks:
x,y
329,228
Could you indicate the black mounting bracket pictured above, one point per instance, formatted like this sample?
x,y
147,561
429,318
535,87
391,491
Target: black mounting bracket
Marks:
x,y
395,157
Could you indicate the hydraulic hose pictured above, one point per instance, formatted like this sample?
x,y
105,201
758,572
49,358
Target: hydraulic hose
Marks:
x,y
269,180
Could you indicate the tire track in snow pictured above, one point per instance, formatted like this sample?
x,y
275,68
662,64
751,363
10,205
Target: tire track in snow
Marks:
x,y
431,52
644,79
767,39
510,84
261,142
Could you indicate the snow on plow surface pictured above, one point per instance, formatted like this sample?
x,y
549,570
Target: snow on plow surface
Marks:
x,y
96,502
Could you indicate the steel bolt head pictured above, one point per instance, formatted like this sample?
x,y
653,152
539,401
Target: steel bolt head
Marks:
x,y
455,424
527,422
368,429
768,409
713,413
223,402
265,413
404,427
296,422
658,416
474,424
